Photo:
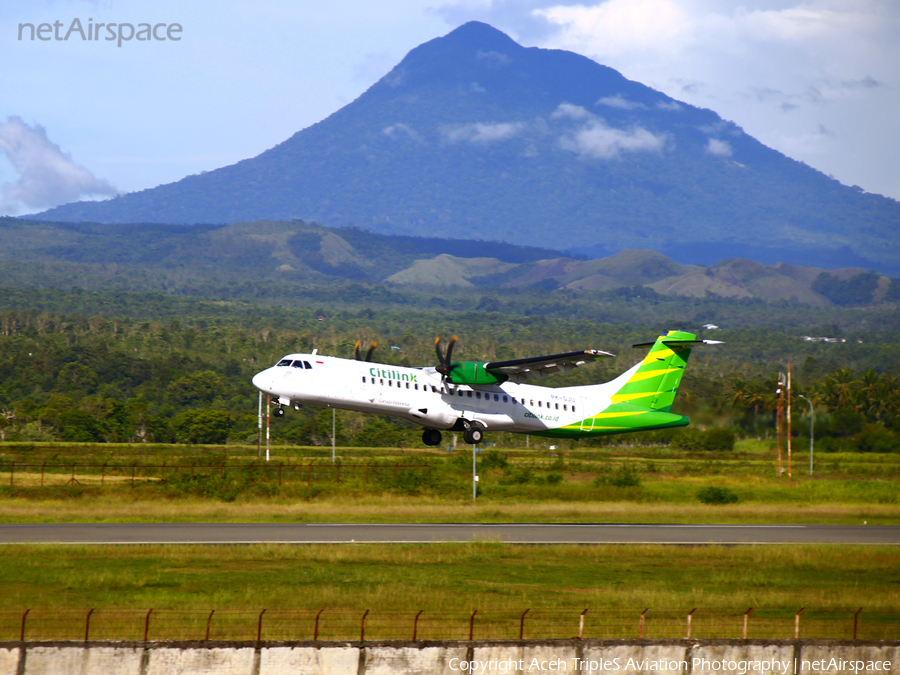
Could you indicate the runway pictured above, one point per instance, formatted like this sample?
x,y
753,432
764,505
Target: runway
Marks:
x,y
537,533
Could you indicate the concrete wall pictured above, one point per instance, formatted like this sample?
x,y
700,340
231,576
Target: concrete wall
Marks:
x,y
588,657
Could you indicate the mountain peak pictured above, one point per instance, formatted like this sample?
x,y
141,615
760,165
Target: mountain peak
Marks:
x,y
473,136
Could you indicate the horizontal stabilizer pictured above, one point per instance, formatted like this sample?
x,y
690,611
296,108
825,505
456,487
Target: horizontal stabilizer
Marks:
x,y
686,343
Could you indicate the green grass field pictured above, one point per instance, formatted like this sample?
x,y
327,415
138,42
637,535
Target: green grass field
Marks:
x,y
448,582
136,483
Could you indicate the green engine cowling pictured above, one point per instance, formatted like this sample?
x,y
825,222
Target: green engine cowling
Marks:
x,y
473,372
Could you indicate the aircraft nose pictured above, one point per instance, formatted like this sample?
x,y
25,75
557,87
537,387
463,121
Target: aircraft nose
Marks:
x,y
263,381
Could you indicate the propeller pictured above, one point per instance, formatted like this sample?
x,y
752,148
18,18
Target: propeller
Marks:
x,y
444,359
369,352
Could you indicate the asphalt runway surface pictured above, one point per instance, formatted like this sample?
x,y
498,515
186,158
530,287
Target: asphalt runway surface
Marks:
x,y
537,533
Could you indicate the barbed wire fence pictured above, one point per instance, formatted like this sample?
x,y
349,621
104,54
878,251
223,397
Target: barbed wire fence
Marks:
x,y
331,624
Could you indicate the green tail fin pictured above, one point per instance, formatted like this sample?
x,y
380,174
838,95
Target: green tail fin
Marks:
x,y
654,383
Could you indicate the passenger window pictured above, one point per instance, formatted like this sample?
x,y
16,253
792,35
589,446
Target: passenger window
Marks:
x,y
469,394
459,391
557,406
565,407
573,408
531,402
505,400
381,382
364,379
478,394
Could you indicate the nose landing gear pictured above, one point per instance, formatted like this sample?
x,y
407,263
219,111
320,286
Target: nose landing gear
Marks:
x,y
474,434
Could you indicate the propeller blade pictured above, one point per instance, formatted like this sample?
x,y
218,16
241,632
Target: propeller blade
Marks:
x,y
371,349
449,358
356,352
437,350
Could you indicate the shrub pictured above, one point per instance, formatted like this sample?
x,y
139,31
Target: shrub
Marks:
x,y
715,439
717,495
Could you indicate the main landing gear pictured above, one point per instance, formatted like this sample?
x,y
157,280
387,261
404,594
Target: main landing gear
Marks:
x,y
473,433
278,412
431,437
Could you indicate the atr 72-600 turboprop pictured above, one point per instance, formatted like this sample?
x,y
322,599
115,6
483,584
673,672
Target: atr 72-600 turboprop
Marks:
x,y
474,397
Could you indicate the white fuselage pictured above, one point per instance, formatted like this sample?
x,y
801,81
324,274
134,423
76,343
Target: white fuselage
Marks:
x,y
421,396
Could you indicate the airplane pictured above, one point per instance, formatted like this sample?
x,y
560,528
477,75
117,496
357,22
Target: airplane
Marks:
x,y
474,397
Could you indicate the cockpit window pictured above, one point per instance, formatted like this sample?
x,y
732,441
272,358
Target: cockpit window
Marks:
x,y
306,363
297,364
284,362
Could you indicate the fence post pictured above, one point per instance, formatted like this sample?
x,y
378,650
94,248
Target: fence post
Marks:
x,y
208,622
581,624
797,623
147,624
472,625
641,625
316,631
103,474
362,628
746,622
259,626
689,617
87,624
416,624
42,473
522,623
132,474
856,622
163,478
22,630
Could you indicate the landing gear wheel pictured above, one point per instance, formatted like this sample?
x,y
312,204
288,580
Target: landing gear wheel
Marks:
x,y
431,437
473,435
278,412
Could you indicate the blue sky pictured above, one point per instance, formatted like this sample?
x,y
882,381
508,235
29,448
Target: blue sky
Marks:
x,y
817,80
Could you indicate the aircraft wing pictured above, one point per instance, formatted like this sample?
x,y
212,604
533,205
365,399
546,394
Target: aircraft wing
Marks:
x,y
541,366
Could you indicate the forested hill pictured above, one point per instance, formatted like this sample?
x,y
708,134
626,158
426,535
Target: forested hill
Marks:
x,y
472,136
296,256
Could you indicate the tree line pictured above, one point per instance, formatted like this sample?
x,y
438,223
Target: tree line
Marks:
x,y
187,379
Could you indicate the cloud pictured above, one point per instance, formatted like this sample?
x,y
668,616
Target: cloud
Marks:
x,y
481,132
596,139
575,112
619,101
603,142
718,148
396,131
47,176
493,59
